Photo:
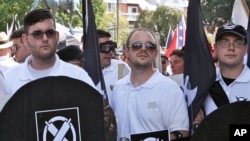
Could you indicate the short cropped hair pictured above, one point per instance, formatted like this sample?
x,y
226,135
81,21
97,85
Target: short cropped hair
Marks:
x,y
35,16
139,29
177,52
17,33
102,33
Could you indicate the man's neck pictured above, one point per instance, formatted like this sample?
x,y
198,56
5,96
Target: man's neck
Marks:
x,y
39,64
231,72
139,77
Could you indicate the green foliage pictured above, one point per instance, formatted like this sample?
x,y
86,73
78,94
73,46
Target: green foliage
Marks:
x,y
154,21
99,9
110,25
9,8
217,12
145,20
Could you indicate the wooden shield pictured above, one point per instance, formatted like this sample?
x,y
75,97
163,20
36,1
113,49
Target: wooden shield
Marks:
x,y
53,108
215,127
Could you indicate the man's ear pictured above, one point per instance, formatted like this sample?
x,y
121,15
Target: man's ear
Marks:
x,y
25,39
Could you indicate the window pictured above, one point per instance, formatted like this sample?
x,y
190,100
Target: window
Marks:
x,y
132,9
111,7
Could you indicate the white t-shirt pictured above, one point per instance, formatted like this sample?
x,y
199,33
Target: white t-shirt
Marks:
x,y
238,90
111,74
156,105
19,75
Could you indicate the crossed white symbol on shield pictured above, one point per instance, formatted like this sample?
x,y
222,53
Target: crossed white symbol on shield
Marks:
x,y
59,134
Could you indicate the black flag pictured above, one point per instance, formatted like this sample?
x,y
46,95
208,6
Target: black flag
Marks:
x,y
199,69
91,47
93,66
248,42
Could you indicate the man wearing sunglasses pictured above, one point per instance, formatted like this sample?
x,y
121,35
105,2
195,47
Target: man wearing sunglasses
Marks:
x,y
110,66
41,37
112,70
19,51
145,100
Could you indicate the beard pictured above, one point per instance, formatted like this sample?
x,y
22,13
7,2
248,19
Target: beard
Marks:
x,y
43,54
142,65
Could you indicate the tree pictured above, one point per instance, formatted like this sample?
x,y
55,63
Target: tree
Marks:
x,y
9,8
154,21
110,25
217,13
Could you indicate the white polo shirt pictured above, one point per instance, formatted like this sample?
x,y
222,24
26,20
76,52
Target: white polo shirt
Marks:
x,y
19,75
156,105
238,90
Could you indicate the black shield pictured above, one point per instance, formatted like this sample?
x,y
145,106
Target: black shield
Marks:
x,y
51,108
216,126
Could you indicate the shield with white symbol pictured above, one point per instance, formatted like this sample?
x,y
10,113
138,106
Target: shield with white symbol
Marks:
x,y
53,108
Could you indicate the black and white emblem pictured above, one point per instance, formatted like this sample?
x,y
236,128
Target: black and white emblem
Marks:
x,y
58,125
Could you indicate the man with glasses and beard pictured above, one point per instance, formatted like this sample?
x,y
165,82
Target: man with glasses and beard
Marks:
x,y
145,100
41,37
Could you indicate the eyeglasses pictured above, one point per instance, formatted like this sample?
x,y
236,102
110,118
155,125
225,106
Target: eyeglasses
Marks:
x,y
227,44
39,34
138,45
108,46
14,48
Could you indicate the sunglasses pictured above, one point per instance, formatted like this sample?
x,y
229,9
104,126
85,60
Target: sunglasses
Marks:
x,y
138,45
108,46
51,33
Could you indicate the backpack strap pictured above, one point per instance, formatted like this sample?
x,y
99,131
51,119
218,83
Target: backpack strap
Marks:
x,y
218,94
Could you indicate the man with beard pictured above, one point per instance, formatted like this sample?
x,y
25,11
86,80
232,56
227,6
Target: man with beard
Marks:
x,y
41,37
145,100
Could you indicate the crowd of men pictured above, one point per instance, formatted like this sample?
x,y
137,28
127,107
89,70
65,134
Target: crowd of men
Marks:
x,y
142,97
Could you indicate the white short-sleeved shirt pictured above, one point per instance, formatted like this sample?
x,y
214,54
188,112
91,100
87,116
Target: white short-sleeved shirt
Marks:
x,y
238,90
6,63
156,105
19,75
2,86
111,75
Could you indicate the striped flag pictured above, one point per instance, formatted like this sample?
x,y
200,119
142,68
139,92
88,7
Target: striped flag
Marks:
x,y
172,45
181,33
178,40
169,37
199,69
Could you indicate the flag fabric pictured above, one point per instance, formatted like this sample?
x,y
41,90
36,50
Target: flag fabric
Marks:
x,y
199,69
178,40
92,65
181,33
91,47
169,37
172,45
248,42
240,13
